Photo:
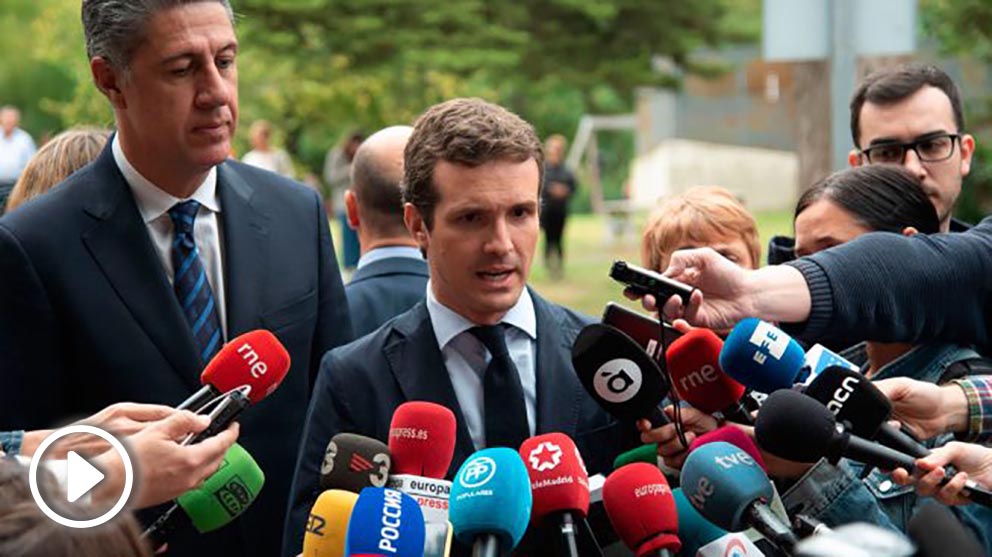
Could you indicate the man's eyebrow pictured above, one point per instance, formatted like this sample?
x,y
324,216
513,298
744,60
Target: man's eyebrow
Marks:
x,y
891,140
232,46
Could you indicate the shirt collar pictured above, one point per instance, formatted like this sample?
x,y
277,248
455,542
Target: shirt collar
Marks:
x,y
448,324
387,252
154,202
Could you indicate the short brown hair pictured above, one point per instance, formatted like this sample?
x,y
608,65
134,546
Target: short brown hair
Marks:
x,y
702,214
471,132
66,153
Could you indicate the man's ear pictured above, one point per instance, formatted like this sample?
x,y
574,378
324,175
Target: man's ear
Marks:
x,y
108,81
351,209
416,225
967,150
910,231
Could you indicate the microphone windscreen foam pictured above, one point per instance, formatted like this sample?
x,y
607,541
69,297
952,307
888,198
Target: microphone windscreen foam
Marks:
x,y
353,462
226,493
939,532
760,356
721,481
256,359
694,530
641,509
558,478
795,427
734,436
327,526
617,373
491,495
852,398
385,522
422,439
645,453
694,364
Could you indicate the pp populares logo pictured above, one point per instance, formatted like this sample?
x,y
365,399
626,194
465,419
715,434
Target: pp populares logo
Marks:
x,y
546,456
477,473
617,380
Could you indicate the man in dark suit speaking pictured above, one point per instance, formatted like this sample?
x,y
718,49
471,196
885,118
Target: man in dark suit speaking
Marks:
x,y
482,343
122,282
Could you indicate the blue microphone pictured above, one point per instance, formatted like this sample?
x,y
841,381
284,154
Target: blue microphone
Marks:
x,y
694,530
385,522
727,487
760,356
490,501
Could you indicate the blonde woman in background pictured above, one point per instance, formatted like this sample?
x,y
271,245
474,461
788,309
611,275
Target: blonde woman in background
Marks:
x,y
66,153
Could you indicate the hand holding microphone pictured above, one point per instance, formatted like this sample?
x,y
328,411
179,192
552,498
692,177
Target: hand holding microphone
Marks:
x,y
972,462
121,419
925,408
670,447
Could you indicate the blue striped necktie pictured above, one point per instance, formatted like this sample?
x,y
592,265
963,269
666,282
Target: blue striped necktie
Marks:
x,y
190,282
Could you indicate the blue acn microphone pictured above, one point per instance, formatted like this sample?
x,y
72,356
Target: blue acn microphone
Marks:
x,y
490,501
385,522
760,356
694,530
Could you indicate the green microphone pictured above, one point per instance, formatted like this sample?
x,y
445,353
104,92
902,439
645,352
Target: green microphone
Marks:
x,y
644,453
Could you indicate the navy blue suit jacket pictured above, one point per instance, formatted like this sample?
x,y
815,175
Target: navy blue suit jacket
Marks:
x,y
88,317
384,289
361,384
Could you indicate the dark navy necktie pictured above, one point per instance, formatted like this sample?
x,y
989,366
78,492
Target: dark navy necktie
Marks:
x,y
505,410
190,283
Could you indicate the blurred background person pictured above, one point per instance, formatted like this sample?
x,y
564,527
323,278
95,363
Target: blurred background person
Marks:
x,y
16,148
337,176
64,154
559,187
263,154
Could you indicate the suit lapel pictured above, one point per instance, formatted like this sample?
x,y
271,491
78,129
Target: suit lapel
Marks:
x,y
558,392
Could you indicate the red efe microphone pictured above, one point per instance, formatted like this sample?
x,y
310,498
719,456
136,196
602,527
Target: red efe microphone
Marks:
x,y
559,484
642,510
735,437
256,359
694,365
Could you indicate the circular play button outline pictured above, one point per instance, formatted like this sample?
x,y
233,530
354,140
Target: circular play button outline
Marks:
x,y
91,430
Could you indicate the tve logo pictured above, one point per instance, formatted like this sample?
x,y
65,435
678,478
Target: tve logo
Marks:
x,y
618,380
729,461
477,473
770,342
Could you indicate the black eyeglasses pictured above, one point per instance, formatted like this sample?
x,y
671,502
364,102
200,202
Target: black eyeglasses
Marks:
x,y
935,148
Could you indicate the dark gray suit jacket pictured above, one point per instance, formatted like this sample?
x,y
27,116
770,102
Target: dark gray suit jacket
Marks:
x,y
384,289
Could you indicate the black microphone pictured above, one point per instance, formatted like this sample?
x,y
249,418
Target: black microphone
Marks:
x,y
353,462
938,532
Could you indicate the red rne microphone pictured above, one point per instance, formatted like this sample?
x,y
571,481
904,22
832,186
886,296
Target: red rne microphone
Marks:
x,y
642,510
735,437
422,444
256,359
694,365
559,484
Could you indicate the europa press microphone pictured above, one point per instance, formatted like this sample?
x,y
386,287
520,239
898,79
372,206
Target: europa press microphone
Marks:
x,y
559,485
702,538
694,366
491,501
385,522
353,462
760,356
327,525
642,510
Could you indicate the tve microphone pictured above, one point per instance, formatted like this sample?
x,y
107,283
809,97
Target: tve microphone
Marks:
x,y
641,508
728,487
353,462
559,485
385,522
327,526
618,374
694,365
939,532
734,436
760,356
644,453
256,359
491,501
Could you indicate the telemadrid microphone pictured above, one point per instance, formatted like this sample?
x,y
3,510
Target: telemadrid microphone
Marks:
x,y
728,487
939,532
734,436
385,522
256,359
222,497
327,526
798,428
759,355
353,462
642,511
491,501
618,374
559,485
694,365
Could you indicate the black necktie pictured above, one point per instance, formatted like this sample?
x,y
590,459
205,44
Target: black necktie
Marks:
x,y
505,412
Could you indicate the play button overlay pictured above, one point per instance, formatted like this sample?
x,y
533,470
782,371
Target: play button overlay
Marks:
x,y
81,476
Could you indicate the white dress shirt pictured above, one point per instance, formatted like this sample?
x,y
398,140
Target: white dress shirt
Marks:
x,y
466,359
15,152
154,204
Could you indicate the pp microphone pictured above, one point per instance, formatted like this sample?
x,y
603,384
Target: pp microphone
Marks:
x,y
642,511
618,374
759,355
327,526
728,487
353,462
491,501
256,359
798,428
385,522
559,485
694,365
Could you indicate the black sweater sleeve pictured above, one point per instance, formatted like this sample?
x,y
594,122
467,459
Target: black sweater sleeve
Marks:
x,y
893,288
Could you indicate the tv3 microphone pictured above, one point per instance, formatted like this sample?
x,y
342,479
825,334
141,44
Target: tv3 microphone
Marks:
x,y
353,462
559,485
327,525
491,501
694,366
642,510
761,357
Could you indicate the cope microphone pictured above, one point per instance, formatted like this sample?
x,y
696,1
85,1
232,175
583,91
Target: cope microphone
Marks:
x,y
618,374
353,462
694,365
327,526
385,522
491,501
728,487
645,453
256,359
759,355
798,428
642,511
559,485
702,538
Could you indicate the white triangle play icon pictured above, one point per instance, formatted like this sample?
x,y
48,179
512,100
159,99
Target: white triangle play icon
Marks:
x,y
82,476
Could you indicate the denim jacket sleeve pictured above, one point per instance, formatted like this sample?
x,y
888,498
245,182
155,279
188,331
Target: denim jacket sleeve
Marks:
x,y
834,495
10,441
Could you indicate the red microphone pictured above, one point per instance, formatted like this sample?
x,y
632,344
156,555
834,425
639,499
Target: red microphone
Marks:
x,y
694,364
559,484
256,359
735,437
642,510
422,444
